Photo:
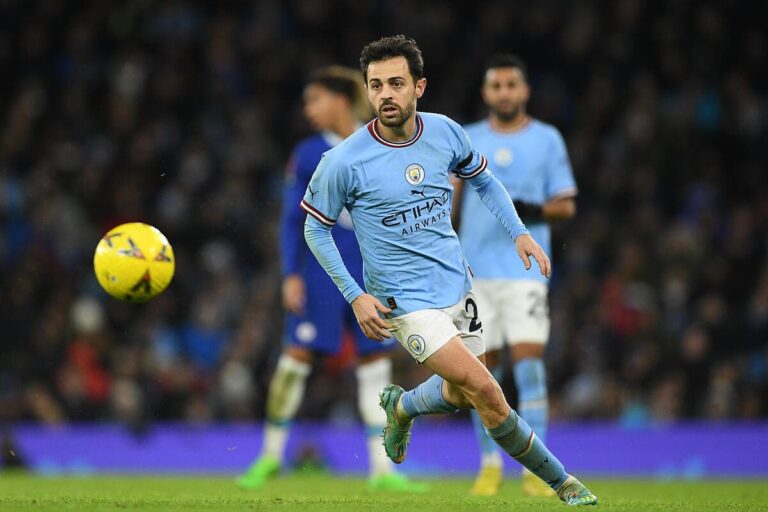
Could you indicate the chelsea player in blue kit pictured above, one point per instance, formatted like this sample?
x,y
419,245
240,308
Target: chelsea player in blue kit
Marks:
x,y
393,177
335,105
530,159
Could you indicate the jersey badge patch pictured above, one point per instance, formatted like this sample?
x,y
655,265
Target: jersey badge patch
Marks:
x,y
414,174
416,344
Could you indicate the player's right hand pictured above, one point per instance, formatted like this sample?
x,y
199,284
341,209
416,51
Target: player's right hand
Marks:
x,y
294,294
526,247
366,308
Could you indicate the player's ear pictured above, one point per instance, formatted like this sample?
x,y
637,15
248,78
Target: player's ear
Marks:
x,y
527,92
484,93
421,84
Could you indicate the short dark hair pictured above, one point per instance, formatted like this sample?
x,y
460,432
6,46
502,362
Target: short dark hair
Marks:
x,y
339,80
506,60
346,82
390,47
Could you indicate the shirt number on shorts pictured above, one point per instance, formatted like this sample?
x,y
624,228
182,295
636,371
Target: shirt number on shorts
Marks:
x,y
474,325
538,309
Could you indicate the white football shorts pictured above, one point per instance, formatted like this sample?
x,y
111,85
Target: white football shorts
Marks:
x,y
514,311
423,332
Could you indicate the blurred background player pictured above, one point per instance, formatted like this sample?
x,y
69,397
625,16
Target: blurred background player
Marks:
x,y
335,105
530,158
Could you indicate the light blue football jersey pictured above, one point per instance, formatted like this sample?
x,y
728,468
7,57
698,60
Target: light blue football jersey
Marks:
x,y
399,198
532,163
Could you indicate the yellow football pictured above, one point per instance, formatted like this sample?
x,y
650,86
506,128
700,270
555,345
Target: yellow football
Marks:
x,y
134,262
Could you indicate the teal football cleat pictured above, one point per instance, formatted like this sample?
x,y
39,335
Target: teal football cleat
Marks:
x,y
259,472
573,492
397,435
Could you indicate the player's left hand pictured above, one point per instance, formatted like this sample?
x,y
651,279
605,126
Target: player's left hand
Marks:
x,y
527,247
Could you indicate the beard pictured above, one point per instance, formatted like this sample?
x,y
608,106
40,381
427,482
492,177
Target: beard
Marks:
x,y
507,114
403,114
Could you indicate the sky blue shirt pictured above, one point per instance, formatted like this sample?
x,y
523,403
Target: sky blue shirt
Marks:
x,y
532,164
399,198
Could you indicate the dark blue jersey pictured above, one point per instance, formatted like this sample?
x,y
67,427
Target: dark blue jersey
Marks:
x,y
295,255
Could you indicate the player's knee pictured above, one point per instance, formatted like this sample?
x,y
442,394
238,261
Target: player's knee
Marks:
x,y
492,358
485,392
300,354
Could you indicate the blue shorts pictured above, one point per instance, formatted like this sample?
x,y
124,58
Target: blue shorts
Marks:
x,y
326,314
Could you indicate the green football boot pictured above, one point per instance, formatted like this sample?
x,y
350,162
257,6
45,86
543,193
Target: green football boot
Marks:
x,y
573,492
264,468
397,435
396,482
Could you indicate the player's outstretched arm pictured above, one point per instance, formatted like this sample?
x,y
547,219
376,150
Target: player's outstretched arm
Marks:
x,y
320,242
365,307
291,245
294,293
496,198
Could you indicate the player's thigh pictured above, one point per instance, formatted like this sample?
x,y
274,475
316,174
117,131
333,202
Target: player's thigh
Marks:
x,y
457,364
466,317
423,332
528,320
489,312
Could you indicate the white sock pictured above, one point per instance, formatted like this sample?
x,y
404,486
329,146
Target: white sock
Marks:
x,y
371,379
275,437
286,391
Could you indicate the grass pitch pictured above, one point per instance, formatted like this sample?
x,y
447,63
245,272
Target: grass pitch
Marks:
x,y
318,492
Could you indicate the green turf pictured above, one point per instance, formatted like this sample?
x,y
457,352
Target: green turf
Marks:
x,y
317,492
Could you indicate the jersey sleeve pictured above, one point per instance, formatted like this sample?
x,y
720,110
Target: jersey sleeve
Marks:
x,y
560,180
321,243
467,162
292,218
496,198
327,192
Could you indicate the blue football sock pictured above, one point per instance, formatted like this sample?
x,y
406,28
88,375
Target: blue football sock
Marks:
x,y
516,438
426,398
531,382
488,447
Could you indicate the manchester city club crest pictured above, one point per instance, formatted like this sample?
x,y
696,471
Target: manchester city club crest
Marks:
x,y
414,174
416,344
503,157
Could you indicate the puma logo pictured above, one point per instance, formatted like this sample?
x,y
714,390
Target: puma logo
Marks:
x,y
419,192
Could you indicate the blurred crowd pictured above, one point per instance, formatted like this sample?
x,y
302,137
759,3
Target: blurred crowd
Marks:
x,y
183,114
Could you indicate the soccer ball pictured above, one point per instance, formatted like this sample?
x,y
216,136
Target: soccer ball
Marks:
x,y
134,262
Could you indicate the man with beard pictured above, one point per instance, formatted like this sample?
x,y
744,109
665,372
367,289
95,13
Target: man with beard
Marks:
x,y
413,262
335,105
531,161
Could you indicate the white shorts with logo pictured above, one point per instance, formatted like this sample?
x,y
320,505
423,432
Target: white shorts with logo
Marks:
x,y
514,311
423,332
